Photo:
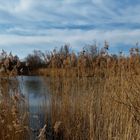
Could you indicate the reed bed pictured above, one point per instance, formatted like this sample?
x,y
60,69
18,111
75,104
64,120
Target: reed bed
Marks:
x,y
105,106
94,96
13,113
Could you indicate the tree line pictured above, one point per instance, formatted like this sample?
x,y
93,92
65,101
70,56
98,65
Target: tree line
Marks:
x,y
90,57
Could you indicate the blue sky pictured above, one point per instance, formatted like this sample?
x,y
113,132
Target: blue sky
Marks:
x,y
26,25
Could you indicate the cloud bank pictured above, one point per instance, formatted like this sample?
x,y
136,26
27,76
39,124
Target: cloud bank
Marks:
x,y
45,24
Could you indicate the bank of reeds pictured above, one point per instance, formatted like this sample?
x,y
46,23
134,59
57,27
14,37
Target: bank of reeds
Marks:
x,y
13,113
95,96
104,106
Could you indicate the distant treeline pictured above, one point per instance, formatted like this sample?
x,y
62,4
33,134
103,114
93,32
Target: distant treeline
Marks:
x,y
91,57
89,61
65,57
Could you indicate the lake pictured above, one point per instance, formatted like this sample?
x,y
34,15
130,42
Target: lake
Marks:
x,y
38,98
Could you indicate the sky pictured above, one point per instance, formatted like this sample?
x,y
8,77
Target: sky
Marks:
x,y
27,25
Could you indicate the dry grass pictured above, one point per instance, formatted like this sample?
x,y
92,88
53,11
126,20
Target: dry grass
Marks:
x,y
103,107
93,98
13,116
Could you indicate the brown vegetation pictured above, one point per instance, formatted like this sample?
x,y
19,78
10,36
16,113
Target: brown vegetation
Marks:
x,y
11,65
97,108
13,114
95,95
99,98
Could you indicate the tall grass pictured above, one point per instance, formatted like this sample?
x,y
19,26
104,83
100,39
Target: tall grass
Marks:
x,y
95,96
13,114
105,106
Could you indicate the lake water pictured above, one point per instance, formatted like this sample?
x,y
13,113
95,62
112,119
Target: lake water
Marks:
x,y
38,98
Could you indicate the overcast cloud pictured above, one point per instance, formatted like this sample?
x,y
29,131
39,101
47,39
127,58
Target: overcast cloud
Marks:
x,y
26,25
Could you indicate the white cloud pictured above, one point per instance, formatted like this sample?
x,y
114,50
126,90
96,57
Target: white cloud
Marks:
x,y
72,11
73,37
22,6
36,22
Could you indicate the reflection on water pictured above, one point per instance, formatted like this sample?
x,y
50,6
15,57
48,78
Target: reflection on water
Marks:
x,y
35,90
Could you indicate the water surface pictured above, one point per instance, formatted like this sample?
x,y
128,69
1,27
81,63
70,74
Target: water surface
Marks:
x,y
38,98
